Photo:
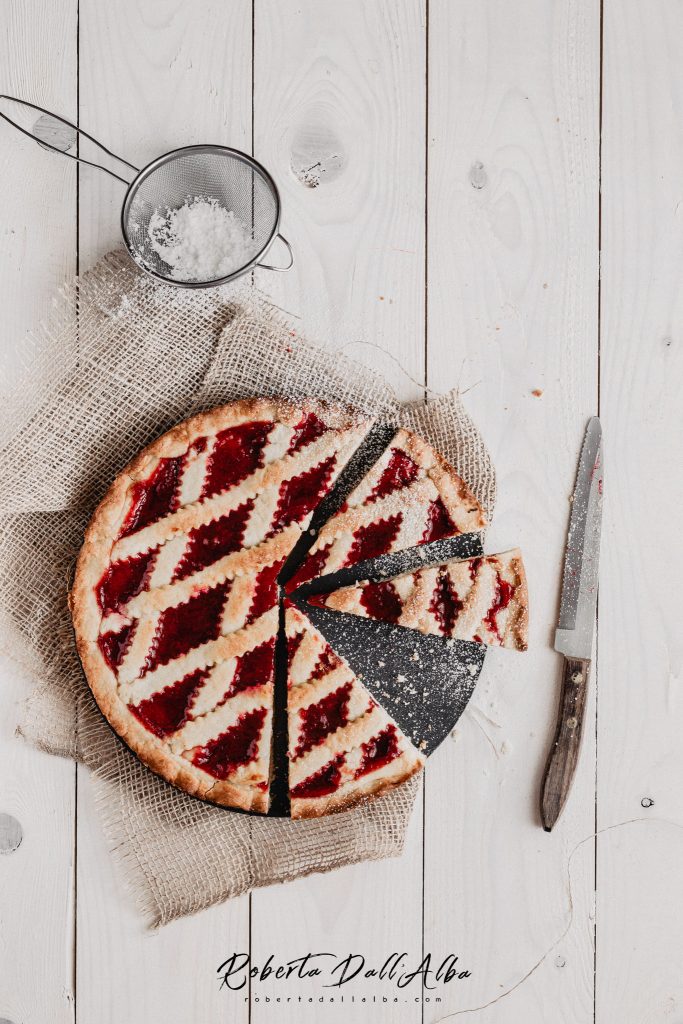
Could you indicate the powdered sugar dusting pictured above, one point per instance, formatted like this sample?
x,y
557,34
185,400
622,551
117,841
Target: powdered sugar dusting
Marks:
x,y
200,241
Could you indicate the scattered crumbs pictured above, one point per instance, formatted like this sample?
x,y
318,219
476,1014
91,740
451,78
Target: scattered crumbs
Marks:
x,y
560,960
505,747
313,532
423,744
454,734
381,298
414,656
537,392
545,284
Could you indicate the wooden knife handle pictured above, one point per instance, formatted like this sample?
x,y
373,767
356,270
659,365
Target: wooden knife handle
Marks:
x,y
564,753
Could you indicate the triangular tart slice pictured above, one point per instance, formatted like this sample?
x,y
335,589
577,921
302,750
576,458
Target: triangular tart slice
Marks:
x,y
410,497
483,600
343,747
175,597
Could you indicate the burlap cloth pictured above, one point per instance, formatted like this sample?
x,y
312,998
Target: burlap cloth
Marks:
x,y
121,360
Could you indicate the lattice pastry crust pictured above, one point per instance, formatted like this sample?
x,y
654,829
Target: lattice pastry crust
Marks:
x,y
343,747
482,599
411,496
175,600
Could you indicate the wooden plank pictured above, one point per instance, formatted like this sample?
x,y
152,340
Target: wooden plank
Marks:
x,y
153,78
339,120
640,879
512,314
37,205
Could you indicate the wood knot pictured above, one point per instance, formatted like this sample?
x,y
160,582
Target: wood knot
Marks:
x,y
55,133
317,155
478,176
11,834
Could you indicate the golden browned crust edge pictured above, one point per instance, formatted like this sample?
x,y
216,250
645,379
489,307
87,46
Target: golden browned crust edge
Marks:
x,y
338,802
519,628
172,768
420,449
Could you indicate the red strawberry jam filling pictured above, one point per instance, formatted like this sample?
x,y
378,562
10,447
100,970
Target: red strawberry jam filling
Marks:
x,y
327,662
167,711
439,523
265,591
320,719
123,580
207,543
186,626
237,452
237,746
114,645
474,567
502,598
254,668
293,645
302,493
445,605
374,540
309,428
399,473
381,601
311,568
323,782
378,751
154,498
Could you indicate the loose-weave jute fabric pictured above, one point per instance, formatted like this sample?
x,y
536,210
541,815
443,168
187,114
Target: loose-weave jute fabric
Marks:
x,y
120,361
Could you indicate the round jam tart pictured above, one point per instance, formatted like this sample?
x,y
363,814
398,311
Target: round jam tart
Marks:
x,y
176,605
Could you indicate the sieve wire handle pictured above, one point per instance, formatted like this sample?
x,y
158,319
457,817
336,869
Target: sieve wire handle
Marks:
x,y
79,131
268,266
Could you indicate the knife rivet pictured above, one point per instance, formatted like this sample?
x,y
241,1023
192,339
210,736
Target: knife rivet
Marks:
x,y
577,677
572,723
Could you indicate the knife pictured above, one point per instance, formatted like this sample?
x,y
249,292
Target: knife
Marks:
x,y
574,633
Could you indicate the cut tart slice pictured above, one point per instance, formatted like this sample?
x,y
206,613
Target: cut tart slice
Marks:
x,y
175,594
482,599
410,497
343,747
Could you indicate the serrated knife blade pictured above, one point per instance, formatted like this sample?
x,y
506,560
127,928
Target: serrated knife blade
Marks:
x,y
574,633
576,625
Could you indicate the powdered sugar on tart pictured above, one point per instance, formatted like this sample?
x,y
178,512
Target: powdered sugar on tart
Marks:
x,y
175,595
482,599
410,497
343,747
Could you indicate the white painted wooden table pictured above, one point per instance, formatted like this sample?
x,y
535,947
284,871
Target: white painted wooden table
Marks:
x,y
491,193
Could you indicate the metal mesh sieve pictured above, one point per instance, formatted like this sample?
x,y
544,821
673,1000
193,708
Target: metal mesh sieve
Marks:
x,y
233,179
